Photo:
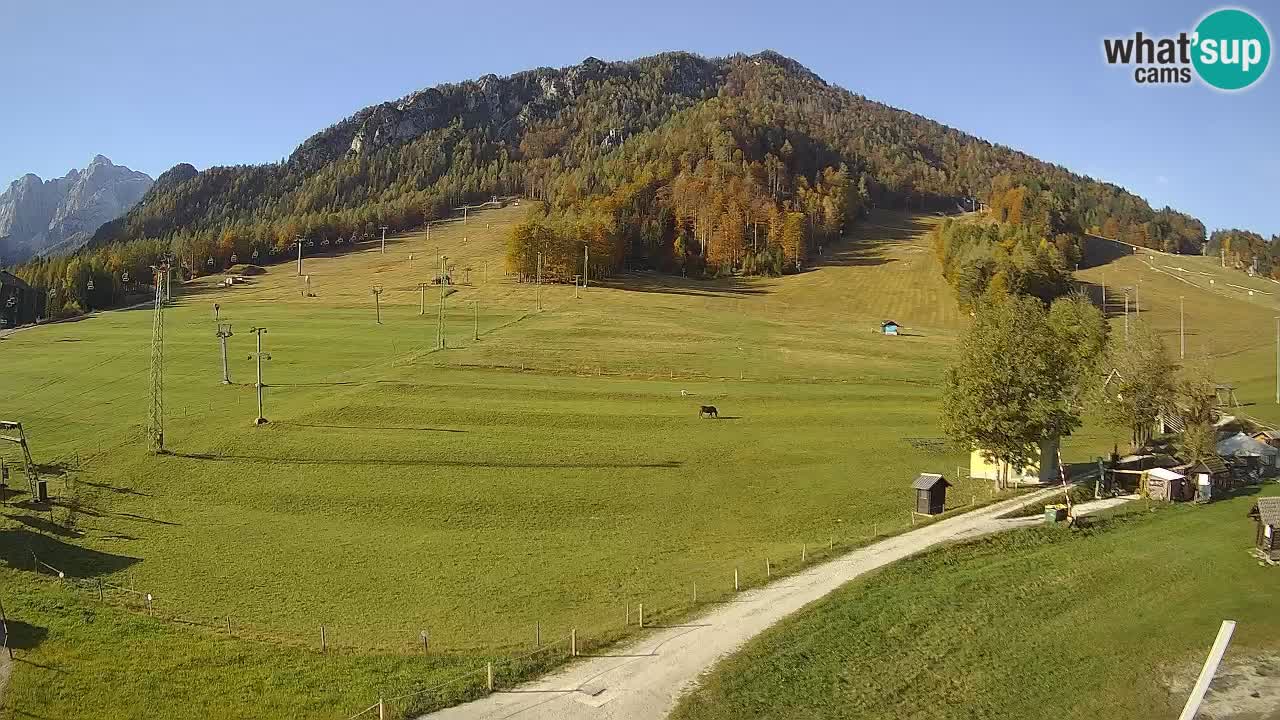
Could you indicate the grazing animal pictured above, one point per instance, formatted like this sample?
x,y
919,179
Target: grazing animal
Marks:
x,y
708,411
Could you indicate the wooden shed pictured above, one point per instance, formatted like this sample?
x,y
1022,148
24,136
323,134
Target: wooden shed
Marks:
x,y
1266,512
931,493
1163,484
889,327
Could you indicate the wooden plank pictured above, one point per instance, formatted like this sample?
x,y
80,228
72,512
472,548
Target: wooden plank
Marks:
x,y
1208,671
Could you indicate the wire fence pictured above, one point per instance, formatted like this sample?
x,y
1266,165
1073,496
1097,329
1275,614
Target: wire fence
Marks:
x,y
529,656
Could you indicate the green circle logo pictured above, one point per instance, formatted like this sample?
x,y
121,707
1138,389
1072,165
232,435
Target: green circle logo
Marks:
x,y
1232,49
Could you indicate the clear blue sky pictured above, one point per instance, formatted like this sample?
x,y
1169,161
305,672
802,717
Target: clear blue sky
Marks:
x,y
151,84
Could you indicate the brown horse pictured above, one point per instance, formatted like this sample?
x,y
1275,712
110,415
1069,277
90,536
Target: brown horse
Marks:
x,y
708,411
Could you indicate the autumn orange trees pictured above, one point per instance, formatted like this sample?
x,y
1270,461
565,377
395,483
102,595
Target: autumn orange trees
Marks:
x,y
720,188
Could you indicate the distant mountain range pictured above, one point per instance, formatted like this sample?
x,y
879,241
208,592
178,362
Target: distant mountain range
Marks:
x,y
39,217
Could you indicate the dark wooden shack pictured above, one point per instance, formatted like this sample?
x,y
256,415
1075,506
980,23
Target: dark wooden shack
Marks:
x,y
931,493
1266,512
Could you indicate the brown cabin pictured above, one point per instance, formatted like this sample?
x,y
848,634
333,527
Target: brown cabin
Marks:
x,y
1266,512
1270,437
931,493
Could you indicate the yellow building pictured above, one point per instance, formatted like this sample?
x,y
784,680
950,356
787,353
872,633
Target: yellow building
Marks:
x,y
1035,472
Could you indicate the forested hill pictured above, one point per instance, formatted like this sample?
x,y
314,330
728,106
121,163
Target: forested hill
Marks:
x,y
667,159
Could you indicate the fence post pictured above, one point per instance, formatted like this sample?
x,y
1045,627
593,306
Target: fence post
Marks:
x,y
573,642
101,594
382,715
324,641
4,625
537,634
148,604
426,641
641,614
768,568
695,593
489,672
228,625
804,552
735,579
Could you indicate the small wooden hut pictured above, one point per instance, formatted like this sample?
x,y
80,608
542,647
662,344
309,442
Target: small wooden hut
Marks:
x,y
931,493
1162,484
1266,512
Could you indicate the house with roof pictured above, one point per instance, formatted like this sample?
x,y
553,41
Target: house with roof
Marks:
x,y
1035,472
889,327
1266,513
1165,484
1247,455
1268,436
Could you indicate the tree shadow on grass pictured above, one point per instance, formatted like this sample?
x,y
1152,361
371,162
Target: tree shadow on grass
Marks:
x,y
22,635
21,548
675,285
421,462
1101,251
45,526
114,489
865,252
370,427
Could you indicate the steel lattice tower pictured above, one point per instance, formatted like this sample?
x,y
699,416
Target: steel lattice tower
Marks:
x,y
155,415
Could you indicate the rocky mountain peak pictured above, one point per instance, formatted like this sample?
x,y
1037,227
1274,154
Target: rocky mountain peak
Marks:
x,y
39,217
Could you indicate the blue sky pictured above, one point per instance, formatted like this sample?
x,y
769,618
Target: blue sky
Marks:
x,y
151,84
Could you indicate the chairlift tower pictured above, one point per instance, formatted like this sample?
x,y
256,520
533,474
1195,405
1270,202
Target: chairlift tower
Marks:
x,y
155,414
260,357
444,293
20,439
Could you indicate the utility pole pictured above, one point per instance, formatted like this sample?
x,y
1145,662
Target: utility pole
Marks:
x,y
299,241
444,290
475,319
586,259
377,301
1182,328
155,416
1126,314
260,357
539,283
224,332
422,302
384,239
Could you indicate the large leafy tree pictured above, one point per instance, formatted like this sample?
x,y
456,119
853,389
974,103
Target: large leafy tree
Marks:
x,y
1081,333
1008,390
1141,383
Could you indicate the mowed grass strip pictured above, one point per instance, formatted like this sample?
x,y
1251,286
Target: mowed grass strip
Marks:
x,y
1045,622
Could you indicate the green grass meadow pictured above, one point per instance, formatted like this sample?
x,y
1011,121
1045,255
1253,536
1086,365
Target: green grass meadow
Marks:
x,y
542,477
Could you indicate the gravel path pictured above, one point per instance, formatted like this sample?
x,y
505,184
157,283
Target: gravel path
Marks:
x,y
643,680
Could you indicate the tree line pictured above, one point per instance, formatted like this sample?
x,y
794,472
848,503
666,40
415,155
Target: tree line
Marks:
x,y
675,162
